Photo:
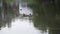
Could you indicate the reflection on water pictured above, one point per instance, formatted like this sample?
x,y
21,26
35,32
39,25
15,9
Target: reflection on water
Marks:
x,y
38,18
7,12
14,22
46,15
24,9
20,26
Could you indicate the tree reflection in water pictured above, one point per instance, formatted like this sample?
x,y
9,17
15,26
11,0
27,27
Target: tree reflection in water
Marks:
x,y
46,15
6,15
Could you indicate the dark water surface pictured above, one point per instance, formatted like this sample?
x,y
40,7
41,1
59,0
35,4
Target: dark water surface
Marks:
x,y
14,24
30,18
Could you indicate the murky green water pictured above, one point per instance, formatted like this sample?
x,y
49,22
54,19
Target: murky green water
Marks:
x,y
30,18
14,24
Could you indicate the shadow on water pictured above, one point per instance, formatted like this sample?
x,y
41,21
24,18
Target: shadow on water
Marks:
x,y
46,15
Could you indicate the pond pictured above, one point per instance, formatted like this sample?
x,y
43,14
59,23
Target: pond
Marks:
x,y
30,17
20,24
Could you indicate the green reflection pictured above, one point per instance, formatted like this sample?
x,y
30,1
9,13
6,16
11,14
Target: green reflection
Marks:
x,y
46,15
7,13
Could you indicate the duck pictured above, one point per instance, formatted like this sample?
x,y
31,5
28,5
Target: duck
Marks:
x,y
20,9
